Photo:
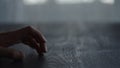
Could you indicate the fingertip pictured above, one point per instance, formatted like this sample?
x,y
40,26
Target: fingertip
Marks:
x,y
45,50
43,47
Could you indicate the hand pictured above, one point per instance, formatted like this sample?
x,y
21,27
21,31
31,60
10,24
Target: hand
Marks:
x,y
33,38
27,35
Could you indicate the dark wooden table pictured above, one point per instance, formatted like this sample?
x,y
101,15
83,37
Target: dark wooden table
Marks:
x,y
71,45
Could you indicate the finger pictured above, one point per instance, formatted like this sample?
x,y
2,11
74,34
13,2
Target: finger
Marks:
x,y
35,45
28,41
43,47
11,53
40,39
37,35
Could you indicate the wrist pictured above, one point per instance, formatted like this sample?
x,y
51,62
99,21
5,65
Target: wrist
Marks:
x,y
10,38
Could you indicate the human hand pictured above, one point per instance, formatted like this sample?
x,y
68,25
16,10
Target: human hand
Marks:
x,y
27,35
33,38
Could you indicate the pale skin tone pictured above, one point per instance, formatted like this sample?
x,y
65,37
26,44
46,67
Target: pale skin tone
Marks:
x,y
27,35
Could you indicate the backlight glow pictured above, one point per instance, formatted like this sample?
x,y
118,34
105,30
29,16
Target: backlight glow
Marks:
x,y
33,2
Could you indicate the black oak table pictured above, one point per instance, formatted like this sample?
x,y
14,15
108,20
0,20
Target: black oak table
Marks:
x,y
71,45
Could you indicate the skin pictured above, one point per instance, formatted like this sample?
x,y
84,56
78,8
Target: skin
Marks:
x,y
27,35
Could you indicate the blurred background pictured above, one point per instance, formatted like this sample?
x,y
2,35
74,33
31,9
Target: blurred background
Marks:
x,y
79,33
20,11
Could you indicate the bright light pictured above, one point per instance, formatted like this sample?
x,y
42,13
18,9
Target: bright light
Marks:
x,y
33,2
87,1
108,1
74,1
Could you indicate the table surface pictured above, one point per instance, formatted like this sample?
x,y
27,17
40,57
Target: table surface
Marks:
x,y
71,45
